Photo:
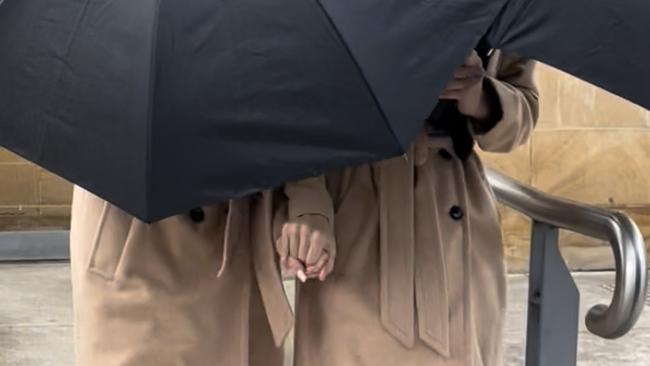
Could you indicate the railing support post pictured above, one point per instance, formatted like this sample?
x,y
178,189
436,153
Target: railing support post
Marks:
x,y
553,303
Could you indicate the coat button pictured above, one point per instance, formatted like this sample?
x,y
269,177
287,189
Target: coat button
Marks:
x,y
445,154
197,215
456,213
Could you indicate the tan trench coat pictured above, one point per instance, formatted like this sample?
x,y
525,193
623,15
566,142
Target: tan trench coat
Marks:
x,y
420,274
191,290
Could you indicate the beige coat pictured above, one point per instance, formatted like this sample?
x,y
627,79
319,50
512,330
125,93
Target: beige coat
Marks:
x,y
191,290
420,274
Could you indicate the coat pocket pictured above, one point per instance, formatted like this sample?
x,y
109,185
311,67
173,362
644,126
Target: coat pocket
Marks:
x,y
109,242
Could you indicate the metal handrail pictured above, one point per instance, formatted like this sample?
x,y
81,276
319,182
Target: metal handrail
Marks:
x,y
618,229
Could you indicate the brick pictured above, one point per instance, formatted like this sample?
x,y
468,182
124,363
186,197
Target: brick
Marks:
x,y
18,184
7,156
515,164
53,189
61,212
548,84
603,167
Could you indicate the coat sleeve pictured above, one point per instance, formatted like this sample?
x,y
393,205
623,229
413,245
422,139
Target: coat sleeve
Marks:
x,y
511,88
309,197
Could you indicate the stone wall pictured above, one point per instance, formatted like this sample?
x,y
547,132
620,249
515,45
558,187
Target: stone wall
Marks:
x,y
30,197
589,146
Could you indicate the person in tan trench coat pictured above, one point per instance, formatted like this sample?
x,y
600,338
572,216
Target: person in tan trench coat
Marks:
x,y
200,289
419,277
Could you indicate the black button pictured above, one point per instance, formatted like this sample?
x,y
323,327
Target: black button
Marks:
x,y
197,215
445,154
456,213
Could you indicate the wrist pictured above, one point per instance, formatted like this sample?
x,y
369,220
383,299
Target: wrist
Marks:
x,y
492,111
482,111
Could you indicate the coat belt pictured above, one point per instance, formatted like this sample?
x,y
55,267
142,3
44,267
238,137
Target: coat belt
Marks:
x,y
413,274
277,307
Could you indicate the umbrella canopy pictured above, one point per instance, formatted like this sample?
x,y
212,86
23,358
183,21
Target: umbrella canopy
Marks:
x,y
163,105
604,42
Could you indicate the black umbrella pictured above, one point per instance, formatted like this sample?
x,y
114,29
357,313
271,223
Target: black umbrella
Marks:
x,y
604,42
162,105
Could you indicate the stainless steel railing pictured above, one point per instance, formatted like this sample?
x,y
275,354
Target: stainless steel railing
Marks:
x,y
607,321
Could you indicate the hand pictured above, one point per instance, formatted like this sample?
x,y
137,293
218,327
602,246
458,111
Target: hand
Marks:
x,y
467,88
306,248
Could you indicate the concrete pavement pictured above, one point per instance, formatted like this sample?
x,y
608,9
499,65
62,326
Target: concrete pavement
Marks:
x,y
36,318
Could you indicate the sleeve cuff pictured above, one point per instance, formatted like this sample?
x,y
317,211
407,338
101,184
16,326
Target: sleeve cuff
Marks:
x,y
309,197
483,126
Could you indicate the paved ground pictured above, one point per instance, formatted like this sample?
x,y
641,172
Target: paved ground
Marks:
x,y
35,320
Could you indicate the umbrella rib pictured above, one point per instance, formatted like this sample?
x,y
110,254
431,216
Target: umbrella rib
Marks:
x,y
151,100
59,74
360,70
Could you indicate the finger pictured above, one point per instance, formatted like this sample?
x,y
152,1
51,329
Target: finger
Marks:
x,y
462,84
329,268
315,249
304,242
319,265
285,268
457,85
288,274
294,241
295,265
302,276
322,276
282,246
473,59
468,73
326,270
